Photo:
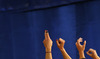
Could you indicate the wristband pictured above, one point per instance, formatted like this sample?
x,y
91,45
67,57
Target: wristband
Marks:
x,y
82,58
48,52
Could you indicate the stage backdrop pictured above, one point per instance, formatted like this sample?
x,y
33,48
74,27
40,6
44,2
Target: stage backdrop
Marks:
x,y
24,5
22,33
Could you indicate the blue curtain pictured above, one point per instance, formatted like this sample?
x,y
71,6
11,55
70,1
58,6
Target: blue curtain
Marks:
x,y
23,5
21,34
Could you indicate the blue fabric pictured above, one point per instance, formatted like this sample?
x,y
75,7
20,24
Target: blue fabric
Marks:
x,y
21,34
23,5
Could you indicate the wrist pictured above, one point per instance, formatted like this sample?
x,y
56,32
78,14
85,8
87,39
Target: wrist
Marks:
x,y
97,57
81,54
48,49
61,49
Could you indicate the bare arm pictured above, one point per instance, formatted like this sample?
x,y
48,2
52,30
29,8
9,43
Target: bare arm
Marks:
x,y
81,48
65,54
60,44
48,45
48,54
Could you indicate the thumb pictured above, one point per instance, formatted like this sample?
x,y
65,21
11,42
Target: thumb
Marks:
x,y
57,42
84,44
89,54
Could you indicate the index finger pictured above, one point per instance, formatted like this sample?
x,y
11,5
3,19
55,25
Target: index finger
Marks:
x,y
47,34
79,40
91,50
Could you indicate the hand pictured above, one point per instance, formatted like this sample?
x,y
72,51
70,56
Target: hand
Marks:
x,y
92,53
80,47
47,42
60,43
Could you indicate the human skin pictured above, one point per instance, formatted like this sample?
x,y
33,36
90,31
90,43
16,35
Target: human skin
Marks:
x,y
48,45
60,45
80,48
92,53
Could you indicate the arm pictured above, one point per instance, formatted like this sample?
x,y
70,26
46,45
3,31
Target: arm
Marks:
x,y
65,54
92,53
48,45
48,54
60,44
81,48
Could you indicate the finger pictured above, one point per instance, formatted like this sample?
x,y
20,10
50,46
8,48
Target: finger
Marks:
x,y
89,53
76,44
79,40
45,34
43,40
84,44
92,50
61,40
57,42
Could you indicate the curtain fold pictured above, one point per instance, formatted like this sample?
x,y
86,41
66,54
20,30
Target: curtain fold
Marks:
x,y
21,34
25,5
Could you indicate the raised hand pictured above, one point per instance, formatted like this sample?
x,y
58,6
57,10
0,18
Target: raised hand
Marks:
x,y
48,45
47,42
60,43
92,53
80,47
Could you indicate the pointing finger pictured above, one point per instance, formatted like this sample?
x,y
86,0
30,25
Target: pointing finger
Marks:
x,y
48,37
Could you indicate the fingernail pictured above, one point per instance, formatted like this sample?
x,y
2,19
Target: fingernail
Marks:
x,y
46,31
56,39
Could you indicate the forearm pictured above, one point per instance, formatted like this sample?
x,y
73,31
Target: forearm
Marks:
x,y
97,57
48,54
81,55
65,54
